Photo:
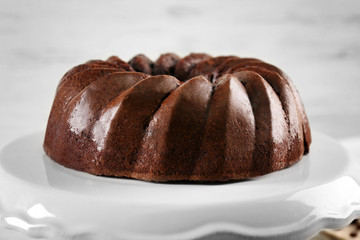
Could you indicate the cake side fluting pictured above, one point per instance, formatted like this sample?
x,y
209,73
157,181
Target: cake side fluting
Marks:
x,y
66,91
228,144
69,135
236,64
291,109
271,134
228,118
171,144
124,129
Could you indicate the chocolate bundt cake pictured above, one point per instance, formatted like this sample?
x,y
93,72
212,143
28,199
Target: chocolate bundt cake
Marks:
x,y
197,118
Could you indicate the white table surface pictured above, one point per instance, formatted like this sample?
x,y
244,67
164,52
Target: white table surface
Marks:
x,y
316,42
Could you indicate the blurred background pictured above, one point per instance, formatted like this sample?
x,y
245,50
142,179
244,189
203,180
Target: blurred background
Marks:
x,y
317,43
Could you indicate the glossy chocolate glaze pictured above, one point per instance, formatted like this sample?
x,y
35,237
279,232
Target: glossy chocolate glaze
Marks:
x,y
229,138
74,124
230,118
175,132
271,134
256,62
126,119
289,105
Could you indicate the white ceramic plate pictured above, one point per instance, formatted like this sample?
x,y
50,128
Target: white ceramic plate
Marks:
x,y
43,199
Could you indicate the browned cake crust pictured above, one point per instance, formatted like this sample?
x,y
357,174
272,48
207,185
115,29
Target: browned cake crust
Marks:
x,y
141,63
195,118
165,64
185,65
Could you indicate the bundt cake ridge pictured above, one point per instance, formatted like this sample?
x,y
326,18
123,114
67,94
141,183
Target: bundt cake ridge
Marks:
x,y
197,118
